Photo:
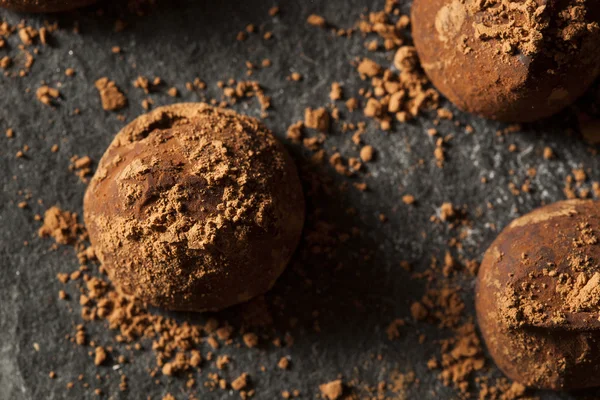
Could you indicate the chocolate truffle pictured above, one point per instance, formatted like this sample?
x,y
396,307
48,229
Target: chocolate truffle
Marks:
x,y
38,6
509,60
194,208
538,297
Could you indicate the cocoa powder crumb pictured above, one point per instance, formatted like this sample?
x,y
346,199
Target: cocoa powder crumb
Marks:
x,y
317,119
408,199
351,104
316,20
213,342
222,361
406,59
336,91
548,153
61,225
240,382
368,68
173,92
46,94
110,95
332,390
295,76
283,363
366,153
81,166
447,211
100,356
579,175
393,329
143,83
418,311
250,339
5,62
294,131
361,186
273,11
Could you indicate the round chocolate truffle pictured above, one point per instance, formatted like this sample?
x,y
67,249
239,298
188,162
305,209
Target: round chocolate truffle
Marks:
x,y
194,208
39,6
509,60
538,297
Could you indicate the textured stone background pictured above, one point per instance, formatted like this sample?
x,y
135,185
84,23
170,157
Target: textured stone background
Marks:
x,y
356,297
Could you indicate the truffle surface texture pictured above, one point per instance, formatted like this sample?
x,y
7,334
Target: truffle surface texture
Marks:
x,y
509,60
194,208
43,6
538,297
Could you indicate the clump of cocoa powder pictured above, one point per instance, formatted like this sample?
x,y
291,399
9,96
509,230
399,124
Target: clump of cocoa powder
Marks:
x,y
47,95
110,95
62,226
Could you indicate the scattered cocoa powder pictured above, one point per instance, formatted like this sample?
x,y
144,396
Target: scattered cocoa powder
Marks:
x,y
380,108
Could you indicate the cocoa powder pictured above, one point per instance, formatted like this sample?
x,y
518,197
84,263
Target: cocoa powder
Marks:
x,y
110,95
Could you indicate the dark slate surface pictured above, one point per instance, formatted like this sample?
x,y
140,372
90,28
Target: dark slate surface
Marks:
x,y
356,297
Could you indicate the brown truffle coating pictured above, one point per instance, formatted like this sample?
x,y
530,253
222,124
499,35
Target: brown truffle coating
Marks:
x,y
538,297
42,6
194,208
509,60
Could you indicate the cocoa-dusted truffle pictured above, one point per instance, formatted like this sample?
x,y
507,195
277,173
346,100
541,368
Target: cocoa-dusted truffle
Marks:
x,y
538,297
194,208
39,6
506,59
